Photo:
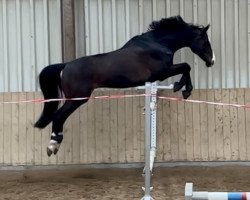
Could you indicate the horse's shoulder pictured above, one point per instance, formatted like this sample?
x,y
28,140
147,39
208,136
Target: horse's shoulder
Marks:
x,y
159,49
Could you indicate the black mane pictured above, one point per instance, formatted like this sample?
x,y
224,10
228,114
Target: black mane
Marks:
x,y
171,23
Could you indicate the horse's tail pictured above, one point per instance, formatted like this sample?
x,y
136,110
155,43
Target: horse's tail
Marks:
x,y
50,83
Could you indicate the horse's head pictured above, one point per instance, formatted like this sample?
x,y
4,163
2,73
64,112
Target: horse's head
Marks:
x,y
202,47
176,33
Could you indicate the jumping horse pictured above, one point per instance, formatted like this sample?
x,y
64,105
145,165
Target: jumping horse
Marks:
x,y
144,58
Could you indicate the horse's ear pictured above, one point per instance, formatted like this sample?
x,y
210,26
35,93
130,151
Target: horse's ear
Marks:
x,y
204,30
179,18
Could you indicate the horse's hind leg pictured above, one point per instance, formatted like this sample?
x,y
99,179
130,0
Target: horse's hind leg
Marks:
x,y
57,125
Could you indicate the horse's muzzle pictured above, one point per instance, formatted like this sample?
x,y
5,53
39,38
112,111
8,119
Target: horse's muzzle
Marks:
x,y
210,64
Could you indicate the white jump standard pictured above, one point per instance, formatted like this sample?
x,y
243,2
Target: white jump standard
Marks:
x,y
150,133
203,195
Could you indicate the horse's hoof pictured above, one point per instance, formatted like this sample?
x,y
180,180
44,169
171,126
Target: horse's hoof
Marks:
x,y
177,86
186,94
55,151
49,152
53,147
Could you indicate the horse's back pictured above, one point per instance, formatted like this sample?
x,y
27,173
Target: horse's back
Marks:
x,y
128,66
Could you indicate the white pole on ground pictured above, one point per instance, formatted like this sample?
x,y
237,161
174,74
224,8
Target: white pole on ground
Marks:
x,y
204,195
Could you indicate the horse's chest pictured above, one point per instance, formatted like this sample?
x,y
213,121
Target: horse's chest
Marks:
x,y
160,71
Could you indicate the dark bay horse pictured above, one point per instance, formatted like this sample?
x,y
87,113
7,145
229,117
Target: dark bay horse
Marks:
x,y
145,58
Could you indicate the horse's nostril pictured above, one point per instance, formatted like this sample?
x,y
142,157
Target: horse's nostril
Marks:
x,y
210,64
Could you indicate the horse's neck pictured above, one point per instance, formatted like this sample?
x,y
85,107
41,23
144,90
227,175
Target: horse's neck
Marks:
x,y
175,41
171,41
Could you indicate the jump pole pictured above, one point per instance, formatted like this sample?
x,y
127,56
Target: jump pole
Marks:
x,y
150,133
191,195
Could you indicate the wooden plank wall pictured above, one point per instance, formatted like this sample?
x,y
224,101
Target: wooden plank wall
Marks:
x,y
112,131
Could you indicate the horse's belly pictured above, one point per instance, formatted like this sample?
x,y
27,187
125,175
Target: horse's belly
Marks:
x,y
122,82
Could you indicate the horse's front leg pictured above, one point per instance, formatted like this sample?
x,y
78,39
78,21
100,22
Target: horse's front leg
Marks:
x,y
60,117
184,69
184,81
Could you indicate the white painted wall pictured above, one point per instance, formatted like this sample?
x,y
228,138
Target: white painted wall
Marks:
x,y
30,36
30,39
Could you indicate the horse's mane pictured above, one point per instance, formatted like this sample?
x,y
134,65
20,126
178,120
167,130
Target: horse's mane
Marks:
x,y
171,23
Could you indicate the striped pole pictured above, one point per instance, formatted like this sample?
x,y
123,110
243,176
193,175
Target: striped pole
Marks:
x,y
191,195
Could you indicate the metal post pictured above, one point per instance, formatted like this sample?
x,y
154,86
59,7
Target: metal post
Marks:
x,y
153,101
147,170
150,133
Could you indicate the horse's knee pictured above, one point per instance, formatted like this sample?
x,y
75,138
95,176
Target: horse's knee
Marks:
x,y
178,86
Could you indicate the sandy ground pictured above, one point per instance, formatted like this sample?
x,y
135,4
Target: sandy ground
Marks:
x,y
118,184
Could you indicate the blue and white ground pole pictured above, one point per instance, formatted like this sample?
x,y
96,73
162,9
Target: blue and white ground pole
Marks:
x,y
203,195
